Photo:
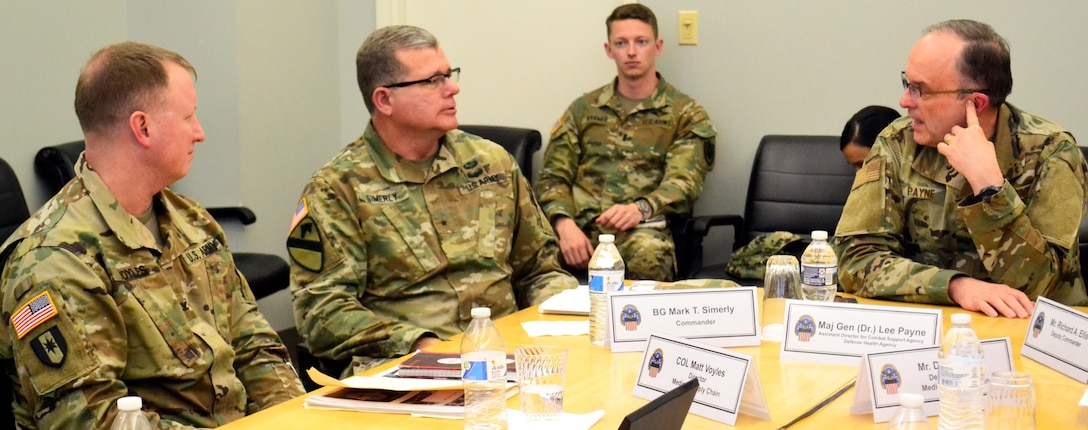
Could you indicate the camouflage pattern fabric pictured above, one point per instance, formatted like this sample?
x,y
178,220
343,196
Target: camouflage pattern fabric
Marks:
x,y
750,261
600,156
176,325
903,234
383,253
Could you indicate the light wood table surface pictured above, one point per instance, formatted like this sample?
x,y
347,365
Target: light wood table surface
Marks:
x,y
599,379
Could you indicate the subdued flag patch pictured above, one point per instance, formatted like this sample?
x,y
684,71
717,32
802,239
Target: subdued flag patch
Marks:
x,y
304,245
868,173
40,309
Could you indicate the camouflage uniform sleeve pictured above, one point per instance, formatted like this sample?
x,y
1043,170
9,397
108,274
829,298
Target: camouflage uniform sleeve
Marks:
x,y
326,286
689,159
261,360
870,236
79,386
1026,244
535,254
555,184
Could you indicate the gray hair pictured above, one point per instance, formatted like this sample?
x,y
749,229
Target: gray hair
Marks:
x,y
985,61
376,62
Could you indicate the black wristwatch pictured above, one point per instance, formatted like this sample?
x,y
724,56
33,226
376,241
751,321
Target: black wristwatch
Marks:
x,y
644,207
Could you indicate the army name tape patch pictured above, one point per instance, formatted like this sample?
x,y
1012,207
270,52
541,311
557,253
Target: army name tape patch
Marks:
x,y
39,310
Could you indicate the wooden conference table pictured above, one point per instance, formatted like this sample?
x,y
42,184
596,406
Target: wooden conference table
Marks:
x,y
599,379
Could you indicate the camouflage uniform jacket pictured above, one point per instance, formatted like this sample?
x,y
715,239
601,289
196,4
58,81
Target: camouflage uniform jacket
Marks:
x,y
600,156
177,325
383,253
907,230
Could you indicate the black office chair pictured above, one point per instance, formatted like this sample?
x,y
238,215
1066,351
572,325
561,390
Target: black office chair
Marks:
x,y
522,143
266,273
13,212
798,184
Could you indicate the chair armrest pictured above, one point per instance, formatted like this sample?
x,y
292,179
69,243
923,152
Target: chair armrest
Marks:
x,y
241,213
701,225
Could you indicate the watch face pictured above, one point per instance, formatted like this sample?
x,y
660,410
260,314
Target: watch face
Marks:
x,y
643,207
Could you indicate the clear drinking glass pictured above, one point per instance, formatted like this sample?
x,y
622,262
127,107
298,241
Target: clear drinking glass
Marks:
x,y
542,374
781,281
1011,402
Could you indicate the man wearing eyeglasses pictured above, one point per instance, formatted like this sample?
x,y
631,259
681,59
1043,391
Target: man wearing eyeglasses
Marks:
x,y
968,200
415,223
624,156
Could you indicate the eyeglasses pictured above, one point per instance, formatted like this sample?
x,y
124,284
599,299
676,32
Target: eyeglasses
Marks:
x,y
435,81
917,94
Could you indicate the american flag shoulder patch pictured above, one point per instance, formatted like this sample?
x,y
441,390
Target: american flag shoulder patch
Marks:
x,y
868,173
39,310
301,211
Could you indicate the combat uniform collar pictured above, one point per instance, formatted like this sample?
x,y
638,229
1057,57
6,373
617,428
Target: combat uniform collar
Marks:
x,y
388,166
128,229
609,96
931,164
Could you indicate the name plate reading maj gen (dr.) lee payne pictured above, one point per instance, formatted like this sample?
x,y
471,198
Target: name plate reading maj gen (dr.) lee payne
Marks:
x,y
714,316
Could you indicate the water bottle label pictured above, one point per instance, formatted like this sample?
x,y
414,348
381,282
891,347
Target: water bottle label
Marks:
x,y
475,370
605,281
822,274
963,375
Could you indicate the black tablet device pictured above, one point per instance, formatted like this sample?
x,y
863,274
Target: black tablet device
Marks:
x,y
666,412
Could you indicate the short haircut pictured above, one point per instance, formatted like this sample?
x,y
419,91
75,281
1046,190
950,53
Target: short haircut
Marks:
x,y
631,11
985,61
376,62
866,124
121,79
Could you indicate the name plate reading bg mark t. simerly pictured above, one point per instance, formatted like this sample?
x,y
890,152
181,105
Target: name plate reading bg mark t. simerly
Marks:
x,y
717,316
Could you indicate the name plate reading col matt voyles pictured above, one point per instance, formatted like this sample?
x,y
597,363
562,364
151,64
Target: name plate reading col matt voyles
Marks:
x,y
728,381
840,333
882,376
714,316
1058,338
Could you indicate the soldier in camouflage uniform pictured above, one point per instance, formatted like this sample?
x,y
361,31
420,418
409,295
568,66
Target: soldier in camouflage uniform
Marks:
x,y
415,223
118,286
970,201
624,156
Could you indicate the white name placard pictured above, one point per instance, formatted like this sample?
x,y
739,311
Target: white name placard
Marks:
x,y
840,333
714,316
725,377
883,375
1058,338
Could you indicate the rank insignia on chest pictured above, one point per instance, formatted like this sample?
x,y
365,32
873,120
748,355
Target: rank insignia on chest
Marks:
x,y
50,347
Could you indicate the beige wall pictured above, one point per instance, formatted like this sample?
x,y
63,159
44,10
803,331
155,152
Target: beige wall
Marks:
x,y
278,97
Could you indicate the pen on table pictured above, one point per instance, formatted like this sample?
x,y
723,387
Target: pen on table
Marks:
x,y
825,402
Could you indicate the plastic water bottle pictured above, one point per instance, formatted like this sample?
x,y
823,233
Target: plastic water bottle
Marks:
x,y
818,268
129,415
910,415
960,376
483,365
606,271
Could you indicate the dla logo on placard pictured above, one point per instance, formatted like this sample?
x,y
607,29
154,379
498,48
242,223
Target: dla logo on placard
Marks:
x,y
890,379
657,360
804,328
1037,327
630,317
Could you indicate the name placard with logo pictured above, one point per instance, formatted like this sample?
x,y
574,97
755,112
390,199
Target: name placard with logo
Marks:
x,y
840,333
883,375
728,381
715,316
1058,339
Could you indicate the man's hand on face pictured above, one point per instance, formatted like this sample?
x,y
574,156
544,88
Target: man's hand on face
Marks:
x,y
971,154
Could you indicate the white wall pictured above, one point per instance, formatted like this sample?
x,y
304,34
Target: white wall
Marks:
x,y
278,96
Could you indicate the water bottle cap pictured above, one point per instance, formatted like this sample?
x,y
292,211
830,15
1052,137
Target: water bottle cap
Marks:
x,y
819,235
481,312
911,400
606,238
130,403
961,318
